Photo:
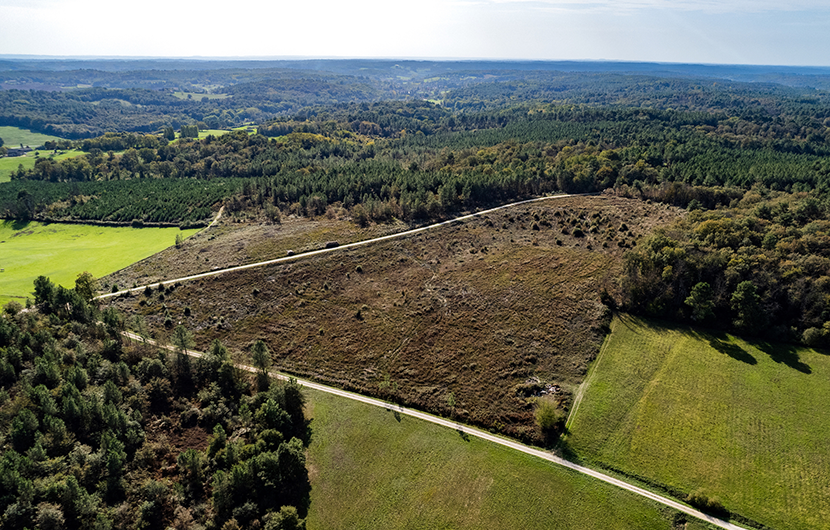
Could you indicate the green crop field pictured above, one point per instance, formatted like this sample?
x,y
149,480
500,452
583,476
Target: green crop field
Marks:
x,y
14,136
9,165
745,422
370,468
62,251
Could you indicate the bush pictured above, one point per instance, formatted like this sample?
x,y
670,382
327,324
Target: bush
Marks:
x,y
813,337
710,505
549,417
12,308
286,519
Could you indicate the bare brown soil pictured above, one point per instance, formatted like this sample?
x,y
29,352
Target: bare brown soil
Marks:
x,y
489,311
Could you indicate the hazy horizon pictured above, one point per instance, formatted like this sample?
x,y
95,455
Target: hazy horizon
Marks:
x,y
733,32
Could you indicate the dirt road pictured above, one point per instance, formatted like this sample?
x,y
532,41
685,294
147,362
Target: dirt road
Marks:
x,y
539,453
334,249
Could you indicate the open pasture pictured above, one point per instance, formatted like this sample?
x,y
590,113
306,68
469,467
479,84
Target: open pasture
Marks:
x,y
212,132
10,165
371,468
62,251
14,136
690,409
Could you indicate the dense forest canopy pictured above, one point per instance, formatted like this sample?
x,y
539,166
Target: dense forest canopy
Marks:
x,y
95,427
419,160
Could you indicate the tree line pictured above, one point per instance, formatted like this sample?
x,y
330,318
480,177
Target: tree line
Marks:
x,y
759,267
340,157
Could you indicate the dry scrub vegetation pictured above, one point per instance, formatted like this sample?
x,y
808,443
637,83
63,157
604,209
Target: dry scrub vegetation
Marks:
x,y
470,320
242,240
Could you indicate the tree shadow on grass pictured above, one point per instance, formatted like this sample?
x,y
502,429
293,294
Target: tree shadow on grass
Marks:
x,y
16,224
720,342
785,354
307,432
395,413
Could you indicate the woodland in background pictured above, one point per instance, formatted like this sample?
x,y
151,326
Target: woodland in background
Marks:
x,y
450,162
751,159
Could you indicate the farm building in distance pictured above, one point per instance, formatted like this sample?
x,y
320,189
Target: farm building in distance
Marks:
x,y
18,151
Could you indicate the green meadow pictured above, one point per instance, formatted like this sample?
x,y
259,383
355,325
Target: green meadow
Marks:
x,y
208,132
746,422
214,132
14,136
370,468
10,165
62,251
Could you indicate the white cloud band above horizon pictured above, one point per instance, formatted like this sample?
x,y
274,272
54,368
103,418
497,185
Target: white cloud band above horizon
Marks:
x,y
704,31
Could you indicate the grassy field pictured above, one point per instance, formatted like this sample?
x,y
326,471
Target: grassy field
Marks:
x,y
208,132
746,422
370,468
214,132
9,165
62,251
14,136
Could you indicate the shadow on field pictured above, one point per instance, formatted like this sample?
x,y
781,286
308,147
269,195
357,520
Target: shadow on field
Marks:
x,y
395,413
784,353
720,342
17,224
307,433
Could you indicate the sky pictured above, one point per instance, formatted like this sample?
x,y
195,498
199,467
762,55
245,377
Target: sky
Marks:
x,y
766,32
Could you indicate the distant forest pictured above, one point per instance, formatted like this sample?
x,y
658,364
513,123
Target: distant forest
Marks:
x,y
83,99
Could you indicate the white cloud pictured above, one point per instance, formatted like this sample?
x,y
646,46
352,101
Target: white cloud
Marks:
x,y
629,6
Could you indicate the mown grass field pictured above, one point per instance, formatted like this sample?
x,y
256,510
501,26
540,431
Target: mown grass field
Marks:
x,y
746,422
62,251
214,132
10,165
14,136
372,469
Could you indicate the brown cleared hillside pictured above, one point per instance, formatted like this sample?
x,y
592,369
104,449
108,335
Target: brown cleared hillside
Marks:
x,y
476,310
239,240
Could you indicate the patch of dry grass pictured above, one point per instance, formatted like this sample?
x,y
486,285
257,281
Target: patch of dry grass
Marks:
x,y
475,310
